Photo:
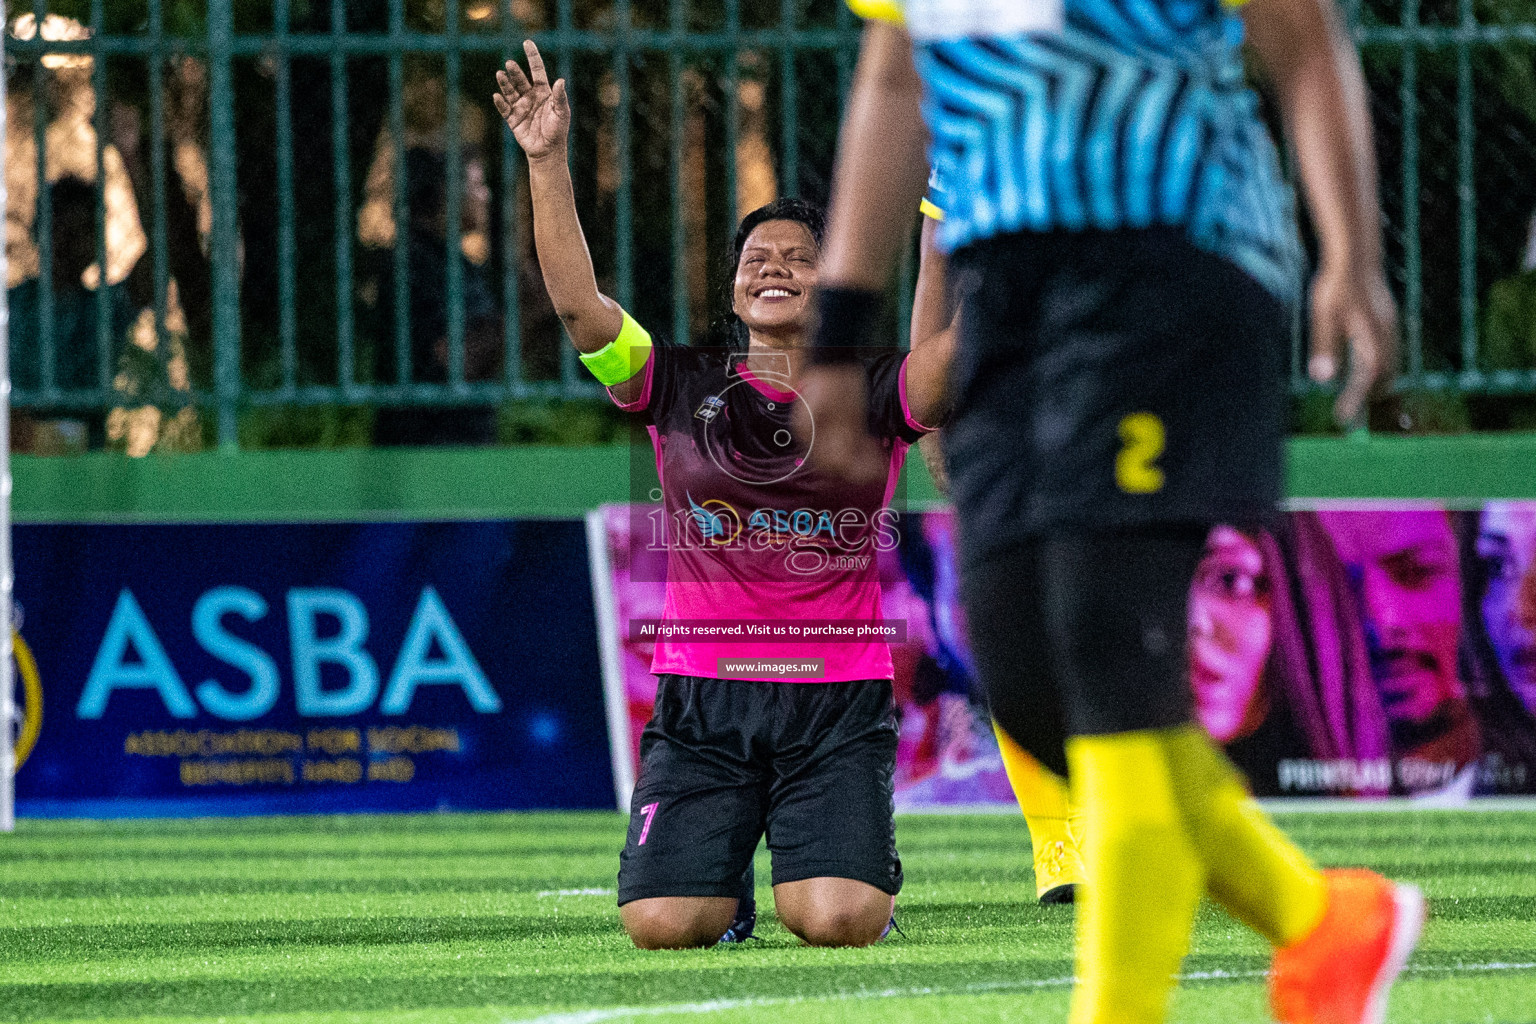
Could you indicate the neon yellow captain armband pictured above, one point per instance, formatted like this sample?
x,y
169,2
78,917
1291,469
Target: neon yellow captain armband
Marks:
x,y
878,10
621,358
928,208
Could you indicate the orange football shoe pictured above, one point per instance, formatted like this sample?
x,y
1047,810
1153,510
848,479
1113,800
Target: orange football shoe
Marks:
x,y
1341,972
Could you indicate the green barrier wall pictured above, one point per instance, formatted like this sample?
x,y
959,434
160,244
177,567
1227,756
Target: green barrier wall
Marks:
x,y
369,484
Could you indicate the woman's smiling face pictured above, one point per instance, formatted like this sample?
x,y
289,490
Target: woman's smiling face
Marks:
x,y
1230,631
776,278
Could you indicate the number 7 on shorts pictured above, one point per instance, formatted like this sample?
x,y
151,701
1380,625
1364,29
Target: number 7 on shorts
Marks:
x,y
649,810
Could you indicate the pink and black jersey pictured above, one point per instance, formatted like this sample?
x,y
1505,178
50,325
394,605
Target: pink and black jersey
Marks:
x,y
752,534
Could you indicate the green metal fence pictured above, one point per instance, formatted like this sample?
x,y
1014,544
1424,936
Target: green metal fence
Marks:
x,y
683,109
1454,89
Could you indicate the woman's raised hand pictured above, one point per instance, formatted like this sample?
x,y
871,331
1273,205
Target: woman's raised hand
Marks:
x,y
538,114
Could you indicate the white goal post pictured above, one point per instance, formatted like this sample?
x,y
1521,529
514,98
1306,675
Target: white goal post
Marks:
x,y
8,716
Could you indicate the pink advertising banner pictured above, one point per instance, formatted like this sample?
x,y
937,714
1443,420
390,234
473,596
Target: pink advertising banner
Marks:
x,y
1360,651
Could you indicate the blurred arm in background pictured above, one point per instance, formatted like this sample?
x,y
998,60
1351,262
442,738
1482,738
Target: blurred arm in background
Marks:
x,y
935,325
882,140
1315,67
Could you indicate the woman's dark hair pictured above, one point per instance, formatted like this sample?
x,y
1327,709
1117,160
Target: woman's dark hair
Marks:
x,y
729,329
1324,703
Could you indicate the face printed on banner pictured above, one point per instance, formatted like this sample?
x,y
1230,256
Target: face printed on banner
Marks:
x,y
1229,635
1506,542
1406,567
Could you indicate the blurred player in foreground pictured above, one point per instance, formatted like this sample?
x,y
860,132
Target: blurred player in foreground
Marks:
x,y
1125,254
1042,794
754,533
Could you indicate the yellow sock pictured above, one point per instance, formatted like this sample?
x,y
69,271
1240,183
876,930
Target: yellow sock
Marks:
x,y
1144,879
1077,826
1041,792
1042,796
1252,869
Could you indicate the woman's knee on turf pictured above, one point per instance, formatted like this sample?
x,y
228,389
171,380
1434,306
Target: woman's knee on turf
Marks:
x,y
677,922
833,911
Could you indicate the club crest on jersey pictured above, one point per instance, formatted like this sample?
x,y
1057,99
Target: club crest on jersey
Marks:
x,y
710,408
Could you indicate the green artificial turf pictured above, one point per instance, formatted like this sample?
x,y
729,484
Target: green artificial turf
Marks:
x,y
484,919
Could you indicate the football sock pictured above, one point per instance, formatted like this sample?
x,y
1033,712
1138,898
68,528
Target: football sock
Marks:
x,y
1144,879
1042,796
1252,869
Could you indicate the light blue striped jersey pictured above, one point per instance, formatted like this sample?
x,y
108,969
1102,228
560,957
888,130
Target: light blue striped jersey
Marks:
x,y
1128,113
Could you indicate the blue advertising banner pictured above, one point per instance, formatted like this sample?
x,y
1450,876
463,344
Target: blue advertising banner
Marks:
x,y
270,669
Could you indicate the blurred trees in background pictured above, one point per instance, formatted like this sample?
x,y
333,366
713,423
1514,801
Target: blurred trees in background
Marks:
x,y
1503,160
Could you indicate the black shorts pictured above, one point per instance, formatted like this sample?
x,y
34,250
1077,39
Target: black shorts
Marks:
x,y
1109,379
1085,634
723,761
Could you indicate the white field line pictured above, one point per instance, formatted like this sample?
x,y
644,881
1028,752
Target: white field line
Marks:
x,y
1284,805
575,892
1313,805
975,988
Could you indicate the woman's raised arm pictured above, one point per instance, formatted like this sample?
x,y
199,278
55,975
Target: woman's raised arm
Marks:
x,y
540,118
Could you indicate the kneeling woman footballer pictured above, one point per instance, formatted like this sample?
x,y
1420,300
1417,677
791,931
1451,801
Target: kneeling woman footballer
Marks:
x,y
757,535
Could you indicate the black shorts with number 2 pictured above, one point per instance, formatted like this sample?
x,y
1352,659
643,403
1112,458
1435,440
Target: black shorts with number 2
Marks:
x,y
724,761
1108,380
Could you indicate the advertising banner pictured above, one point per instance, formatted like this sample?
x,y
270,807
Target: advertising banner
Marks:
x,y
1359,651
252,669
